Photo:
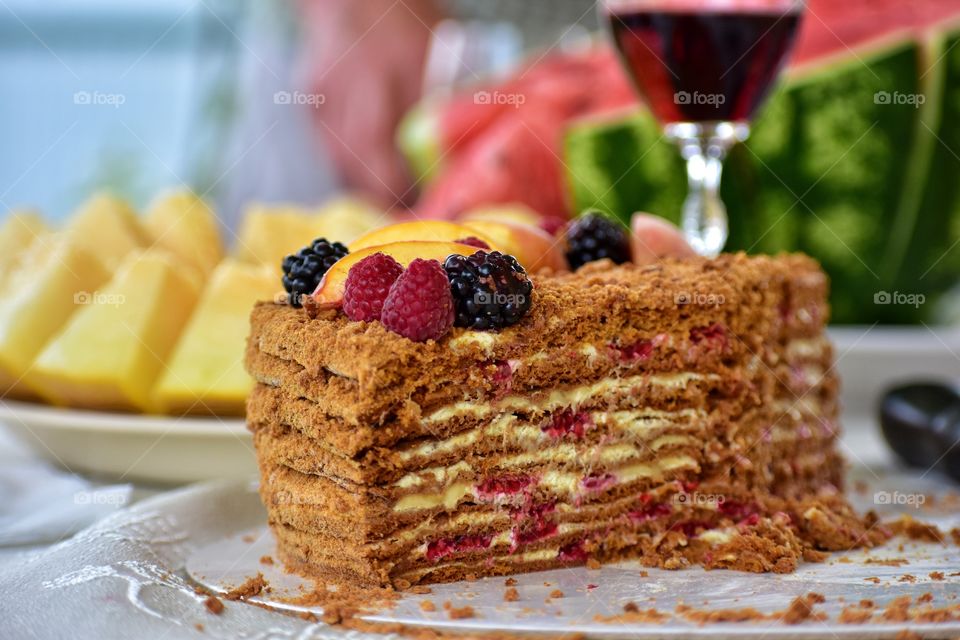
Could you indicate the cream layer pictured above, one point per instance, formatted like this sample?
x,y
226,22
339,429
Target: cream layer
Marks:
x,y
511,431
564,398
561,483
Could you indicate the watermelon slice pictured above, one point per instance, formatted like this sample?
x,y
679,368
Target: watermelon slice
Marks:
x,y
853,161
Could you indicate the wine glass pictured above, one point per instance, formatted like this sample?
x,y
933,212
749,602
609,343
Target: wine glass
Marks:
x,y
703,66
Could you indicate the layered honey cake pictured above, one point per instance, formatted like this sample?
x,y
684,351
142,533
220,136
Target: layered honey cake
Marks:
x,y
680,413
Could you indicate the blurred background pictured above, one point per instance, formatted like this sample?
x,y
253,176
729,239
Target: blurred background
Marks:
x,y
440,106
161,158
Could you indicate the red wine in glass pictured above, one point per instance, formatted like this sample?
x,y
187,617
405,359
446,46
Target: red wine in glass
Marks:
x,y
704,68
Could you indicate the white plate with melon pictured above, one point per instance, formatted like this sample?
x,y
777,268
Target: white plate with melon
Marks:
x,y
122,336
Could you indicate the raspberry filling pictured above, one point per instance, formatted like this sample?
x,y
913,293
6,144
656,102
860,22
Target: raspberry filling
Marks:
x,y
598,482
439,549
566,423
737,510
502,486
639,350
541,529
502,377
712,337
692,528
573,552
650,512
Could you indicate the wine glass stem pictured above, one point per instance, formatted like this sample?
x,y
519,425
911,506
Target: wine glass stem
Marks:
x,y
704,147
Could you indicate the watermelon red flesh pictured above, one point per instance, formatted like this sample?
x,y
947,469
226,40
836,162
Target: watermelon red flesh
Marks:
x,y
566,86
840,26
515,161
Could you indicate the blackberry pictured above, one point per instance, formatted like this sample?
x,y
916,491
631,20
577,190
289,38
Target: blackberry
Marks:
x,y
490,290
303,270
594,236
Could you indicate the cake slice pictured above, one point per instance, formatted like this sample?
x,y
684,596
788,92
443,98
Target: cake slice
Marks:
x,y
681,413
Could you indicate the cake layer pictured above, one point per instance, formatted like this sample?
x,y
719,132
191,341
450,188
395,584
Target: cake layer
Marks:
x,y
366,375
681,413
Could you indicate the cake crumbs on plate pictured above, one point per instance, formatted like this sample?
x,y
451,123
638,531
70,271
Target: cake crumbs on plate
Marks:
x,y
459,613
887,562
421,589
427,605
251,587
917,530
936,575
511,594
214,605
802,609
873,579
309,616
644,573
556,593
593,564
854,614
510,582
268,560
249,539
907,578
633,614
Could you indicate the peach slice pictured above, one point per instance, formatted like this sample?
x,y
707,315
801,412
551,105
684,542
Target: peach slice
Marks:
x,y
533,247
329,292
418,231
516,213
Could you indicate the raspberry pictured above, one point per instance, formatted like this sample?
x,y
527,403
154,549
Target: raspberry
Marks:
x,y
303,270
474,242
490,290
419,305
594,236
367,286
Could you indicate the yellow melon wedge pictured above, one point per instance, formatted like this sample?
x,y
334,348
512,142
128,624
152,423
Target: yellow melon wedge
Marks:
x,y
37,300
206,374
107,227
330,291
110,353
18,232
347,218
269,233
183,224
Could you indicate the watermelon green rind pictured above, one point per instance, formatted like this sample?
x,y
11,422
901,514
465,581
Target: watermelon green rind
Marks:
x,y
932,261
827,170
419,140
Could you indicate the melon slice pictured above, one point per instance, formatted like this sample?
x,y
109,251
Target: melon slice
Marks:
x,y
37,299
183,224
110,353
19,230
205,373
269,233
108,227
